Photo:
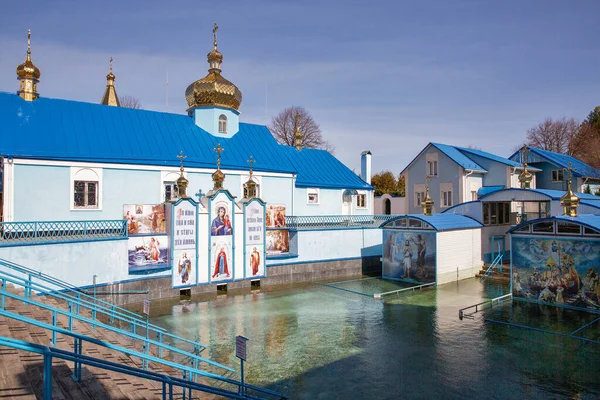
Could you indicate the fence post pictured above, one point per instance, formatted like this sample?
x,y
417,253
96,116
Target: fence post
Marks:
x,y
47,385
54,324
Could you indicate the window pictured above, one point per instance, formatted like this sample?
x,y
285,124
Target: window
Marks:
x,y
543,227
170,190
446,194
568,228
419,190
590,231
85,194
557,175
473,195
312,196
86,188
222,124
432,164
387,205
496,213
361,200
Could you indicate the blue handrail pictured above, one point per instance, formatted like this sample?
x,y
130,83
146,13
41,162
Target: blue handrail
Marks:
x,y
70,315
497,261
168,382
94,304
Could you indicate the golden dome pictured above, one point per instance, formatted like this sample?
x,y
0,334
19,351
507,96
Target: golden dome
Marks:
x,y
28,70
213,89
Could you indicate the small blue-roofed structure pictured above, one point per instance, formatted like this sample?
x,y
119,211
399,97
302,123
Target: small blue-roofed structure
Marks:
x,y
436,248
556,260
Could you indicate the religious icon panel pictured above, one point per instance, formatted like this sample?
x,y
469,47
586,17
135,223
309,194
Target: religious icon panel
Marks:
x,y
221,217
184,236
409,256
278,241
147,253
143,219
275,216
254,230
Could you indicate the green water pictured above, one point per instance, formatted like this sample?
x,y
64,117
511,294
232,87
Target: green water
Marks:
x,y
317,342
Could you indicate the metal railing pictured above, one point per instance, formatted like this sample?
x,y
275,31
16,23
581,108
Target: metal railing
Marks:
x,y
484,304
403,290
168,382
71,316
48,232
71,294
497,262
318,222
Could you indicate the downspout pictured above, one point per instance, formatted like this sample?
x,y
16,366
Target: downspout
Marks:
x,y
465,188
293,192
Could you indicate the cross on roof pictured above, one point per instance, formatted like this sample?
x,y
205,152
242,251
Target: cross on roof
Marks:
x,y
199,195
181,156
111,60
569,170
524,156
215,29
219,150
251,161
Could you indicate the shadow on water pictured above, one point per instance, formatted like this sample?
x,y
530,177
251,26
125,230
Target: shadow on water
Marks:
x,y
321,343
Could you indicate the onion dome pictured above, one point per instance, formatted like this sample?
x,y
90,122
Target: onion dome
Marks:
x,y
569,201
213,89
427,203
28,75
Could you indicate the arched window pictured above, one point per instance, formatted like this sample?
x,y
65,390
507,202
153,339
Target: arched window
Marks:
x,y
388,206
222,124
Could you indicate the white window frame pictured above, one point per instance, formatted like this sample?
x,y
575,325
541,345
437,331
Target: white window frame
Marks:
x,y
558,175
446,192
313,191
431,164
419,193
361,194
167,178
85,174
222,123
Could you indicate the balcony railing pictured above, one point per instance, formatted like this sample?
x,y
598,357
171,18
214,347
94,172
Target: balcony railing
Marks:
x,y
319,222
47,232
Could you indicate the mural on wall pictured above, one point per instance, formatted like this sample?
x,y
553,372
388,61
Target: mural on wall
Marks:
x,y
143,219
275,216
561,271
278,241
184,235
221,237
254,229
147,253
409,255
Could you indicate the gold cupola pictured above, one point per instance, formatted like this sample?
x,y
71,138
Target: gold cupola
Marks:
x,y
28,75
570,201
110,97
213,89
182,182
525,177
427,203
250,187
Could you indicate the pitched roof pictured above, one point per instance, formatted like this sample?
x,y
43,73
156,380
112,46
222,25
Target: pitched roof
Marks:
x,y
489,156
53,129
581,169
459,157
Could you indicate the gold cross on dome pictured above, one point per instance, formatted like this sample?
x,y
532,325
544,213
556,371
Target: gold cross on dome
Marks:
x,y
181,156
524,156
219,150
569,170
215,29
251,161
111,60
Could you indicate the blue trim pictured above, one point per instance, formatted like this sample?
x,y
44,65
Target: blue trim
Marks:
x,y
233,110
434,220
281,256
521,190
459,205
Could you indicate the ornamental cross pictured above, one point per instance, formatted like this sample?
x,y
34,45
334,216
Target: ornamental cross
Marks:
x,y
251,161
199,195
215,29
524,156
111,60
427,179
569,170
181,157
219,150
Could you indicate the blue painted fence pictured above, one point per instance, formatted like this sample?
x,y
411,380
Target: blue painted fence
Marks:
x,y
318,222
46,232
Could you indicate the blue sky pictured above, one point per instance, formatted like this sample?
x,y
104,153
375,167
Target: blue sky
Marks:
x,y
382,76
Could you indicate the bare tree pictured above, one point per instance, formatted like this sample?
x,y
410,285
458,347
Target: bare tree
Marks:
x,y
284,125
558,136
130,102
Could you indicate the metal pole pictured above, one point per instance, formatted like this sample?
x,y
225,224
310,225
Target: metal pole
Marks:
x,y
242,386
47,385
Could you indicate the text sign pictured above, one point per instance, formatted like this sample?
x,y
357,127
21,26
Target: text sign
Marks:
x,y
147,307
240,347
255,223
184,226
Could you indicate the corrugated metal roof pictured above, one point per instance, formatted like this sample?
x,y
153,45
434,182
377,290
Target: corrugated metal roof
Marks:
x,y
459,157
589,220
440,222
53,129
581,169
488,189
489,156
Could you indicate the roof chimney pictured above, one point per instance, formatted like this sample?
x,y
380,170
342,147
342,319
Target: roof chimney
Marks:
x,y
365,166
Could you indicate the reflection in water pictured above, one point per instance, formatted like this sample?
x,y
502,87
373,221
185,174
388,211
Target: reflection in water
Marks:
x,y
323,343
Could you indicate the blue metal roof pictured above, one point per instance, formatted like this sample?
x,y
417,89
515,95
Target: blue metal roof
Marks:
x,y
440,222
552,194
581,169
459,157
590,220
488,189
490,156
53,129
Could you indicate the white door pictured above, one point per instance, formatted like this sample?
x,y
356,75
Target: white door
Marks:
x,y
347,206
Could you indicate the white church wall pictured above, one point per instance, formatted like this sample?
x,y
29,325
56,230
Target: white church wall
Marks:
x,y
277,190
456,258
331,245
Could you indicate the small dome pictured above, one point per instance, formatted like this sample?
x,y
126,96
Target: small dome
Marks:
x,y
213,90
214,56
28,70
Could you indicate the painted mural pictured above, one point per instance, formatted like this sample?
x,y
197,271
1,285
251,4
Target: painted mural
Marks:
x,y
147,253
143,219
558,271
254,229
184,235
221,237
409,256
275,216
278,241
